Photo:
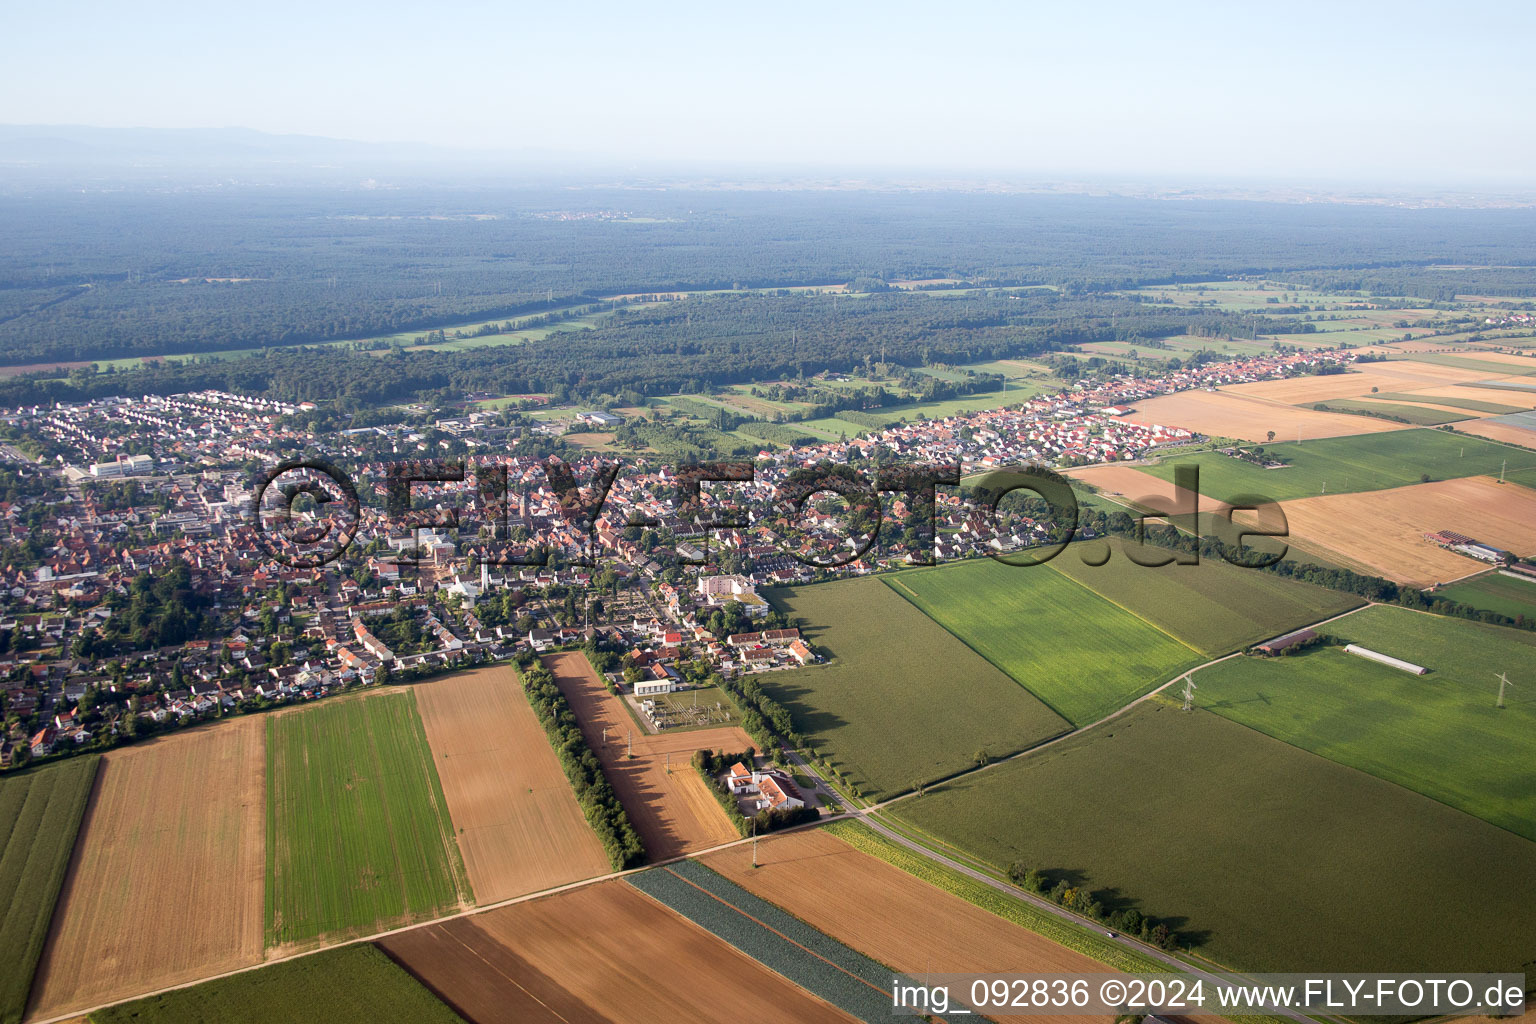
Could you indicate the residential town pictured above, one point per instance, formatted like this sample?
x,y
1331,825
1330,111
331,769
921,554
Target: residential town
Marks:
x,y
129,496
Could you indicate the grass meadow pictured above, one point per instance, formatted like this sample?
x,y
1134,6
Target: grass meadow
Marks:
x,y
1262,856
358,833
901,700
40,814
1365,462
1495,593
1438,734
352,985
1079,653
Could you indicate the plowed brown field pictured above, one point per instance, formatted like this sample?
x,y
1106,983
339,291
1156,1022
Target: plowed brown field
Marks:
x,y
167,878
518,823
596,955
671,807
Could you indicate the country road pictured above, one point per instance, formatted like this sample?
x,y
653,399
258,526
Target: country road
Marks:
x,y
862,815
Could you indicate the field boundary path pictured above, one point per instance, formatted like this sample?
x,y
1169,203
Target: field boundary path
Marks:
x,y
861,814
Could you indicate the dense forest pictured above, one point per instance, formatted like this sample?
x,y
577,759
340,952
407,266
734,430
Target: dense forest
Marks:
x,y
684,345
102,274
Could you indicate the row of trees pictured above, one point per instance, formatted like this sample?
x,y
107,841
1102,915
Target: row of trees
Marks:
x,y
1081,900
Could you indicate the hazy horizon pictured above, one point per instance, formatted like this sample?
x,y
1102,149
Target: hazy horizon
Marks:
x,y
1372,94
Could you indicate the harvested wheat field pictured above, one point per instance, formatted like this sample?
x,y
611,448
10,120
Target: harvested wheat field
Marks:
x,y
1225,414
1521,397
1509,433
1128,484
891,916
1421,345
518,823
166,882
1401,375
1499,359
1382,532
669,804
594,955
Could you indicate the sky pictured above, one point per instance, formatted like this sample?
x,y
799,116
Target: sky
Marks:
x,y
1363,92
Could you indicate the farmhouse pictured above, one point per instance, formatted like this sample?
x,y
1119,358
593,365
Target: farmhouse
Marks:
x,y
1283,643
772,790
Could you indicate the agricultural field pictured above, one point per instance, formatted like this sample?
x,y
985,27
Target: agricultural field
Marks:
x,y
1130,486
887,914
1504,595
1257,846
166,882
816,962
1516,428
533,963
1382,533
1347,464
1393,375
1439,734
358,832
902,700
667,802
1222,414
352,985
1417,415
40,813
1451,398
1494,364
1083,656
1213,607
517,821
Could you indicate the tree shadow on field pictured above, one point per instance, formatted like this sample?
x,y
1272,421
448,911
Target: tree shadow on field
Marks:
x,y
797,698
1257,698
1115,901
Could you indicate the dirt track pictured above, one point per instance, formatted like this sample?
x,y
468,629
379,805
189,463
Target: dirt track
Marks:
x,y
603,954
517,821
168,875
668,802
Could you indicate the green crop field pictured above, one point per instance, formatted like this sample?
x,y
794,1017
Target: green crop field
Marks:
x,y
1214,607
1438,734
1415,414
1455,403
357,828
1504,595
1076,651
1365,462
1262,856
40,814
338,986
901,701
